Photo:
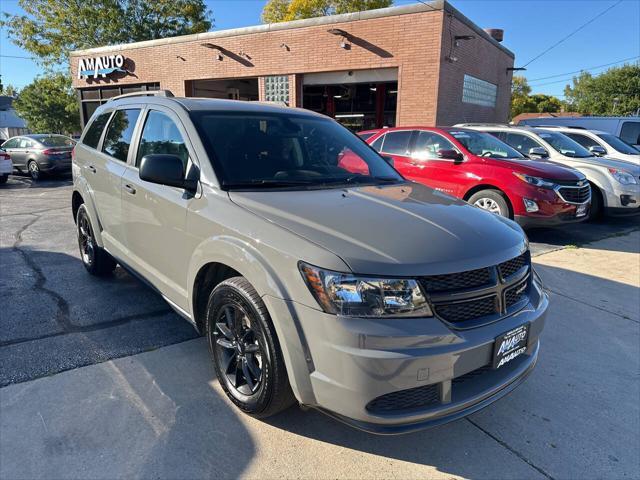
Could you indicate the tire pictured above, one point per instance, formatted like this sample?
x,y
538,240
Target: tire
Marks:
x,y
34,170
245,350
3,179
492,201
95,259
596,212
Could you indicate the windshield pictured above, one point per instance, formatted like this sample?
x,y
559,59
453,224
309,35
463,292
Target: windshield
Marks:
x,y
619,144
263,150
564,144
484,144
56,141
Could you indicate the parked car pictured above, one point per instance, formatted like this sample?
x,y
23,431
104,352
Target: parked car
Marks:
x,y
379,301
487,173
40,154
626,128
601,144
615,184
6,166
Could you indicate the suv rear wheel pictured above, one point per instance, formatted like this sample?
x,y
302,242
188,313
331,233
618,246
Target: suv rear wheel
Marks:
x,y
95,259
245,350
492,201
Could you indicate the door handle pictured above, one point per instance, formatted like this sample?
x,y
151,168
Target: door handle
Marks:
x,y
92,168
130,189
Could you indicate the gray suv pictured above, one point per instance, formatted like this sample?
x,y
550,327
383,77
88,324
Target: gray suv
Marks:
x,y
316,272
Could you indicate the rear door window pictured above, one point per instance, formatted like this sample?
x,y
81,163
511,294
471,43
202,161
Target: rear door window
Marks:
x,y
397,143
119,133
630,132
94,132
161,136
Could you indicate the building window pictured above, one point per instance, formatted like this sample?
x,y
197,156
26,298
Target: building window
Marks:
x,y
92,98
276,89
479,92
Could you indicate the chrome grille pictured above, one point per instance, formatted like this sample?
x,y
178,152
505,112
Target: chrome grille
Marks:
x,y
469,299
575,194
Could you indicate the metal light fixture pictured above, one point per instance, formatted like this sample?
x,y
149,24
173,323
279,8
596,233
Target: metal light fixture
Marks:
x,y
344,42
459,38
212,46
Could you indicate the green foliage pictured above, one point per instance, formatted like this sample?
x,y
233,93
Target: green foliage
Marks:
x,y
52,28
49,105
523,102
614,92
285,10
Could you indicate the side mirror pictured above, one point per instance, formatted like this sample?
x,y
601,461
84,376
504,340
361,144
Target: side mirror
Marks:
x,y
388,159
597,150
538,152
450,155
165,169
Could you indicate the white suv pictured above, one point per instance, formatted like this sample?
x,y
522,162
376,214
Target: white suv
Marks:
x,y
601,143
615,184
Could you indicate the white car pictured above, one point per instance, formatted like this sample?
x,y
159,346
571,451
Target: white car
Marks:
x,y
6,166
601,143
615,184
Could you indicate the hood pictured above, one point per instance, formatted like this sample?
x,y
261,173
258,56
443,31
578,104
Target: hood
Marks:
x,y
624,157
606,162
399,230
543,169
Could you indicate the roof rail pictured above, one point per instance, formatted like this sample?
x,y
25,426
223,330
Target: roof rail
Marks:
x,y
482,124
143,93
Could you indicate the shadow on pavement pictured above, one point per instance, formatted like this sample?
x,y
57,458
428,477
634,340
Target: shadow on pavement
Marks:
x,y
20,182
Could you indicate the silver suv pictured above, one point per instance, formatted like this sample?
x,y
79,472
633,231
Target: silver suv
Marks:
x,y
316,272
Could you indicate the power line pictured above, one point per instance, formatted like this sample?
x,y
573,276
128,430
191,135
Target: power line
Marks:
x,y
584,69
16,56
573,32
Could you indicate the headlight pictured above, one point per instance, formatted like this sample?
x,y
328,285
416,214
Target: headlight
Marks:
x,y
348,295
622,176
536,181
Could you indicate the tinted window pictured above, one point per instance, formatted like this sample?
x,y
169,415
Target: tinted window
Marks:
x,y
364,136
12,143
630,132
119,133
92,136
428,144
377,144
397,143
56,141
583,140
564,144
522,143
161,135
261,150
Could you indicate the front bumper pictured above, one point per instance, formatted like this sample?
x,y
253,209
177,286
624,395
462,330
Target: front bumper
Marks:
x,y
549,221
356,360
623,200
553,210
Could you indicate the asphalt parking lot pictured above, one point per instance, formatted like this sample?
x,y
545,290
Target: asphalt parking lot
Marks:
x,y
158,412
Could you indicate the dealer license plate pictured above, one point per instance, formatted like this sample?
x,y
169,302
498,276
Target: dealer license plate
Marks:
x,y
510,345
581,210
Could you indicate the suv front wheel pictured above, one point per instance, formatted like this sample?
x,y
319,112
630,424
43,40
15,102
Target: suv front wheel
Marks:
x,y
95,259
245,349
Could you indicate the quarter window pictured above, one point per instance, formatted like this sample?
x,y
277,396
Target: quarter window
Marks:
x,y
119,133
377,144
428,144
161,136
397,143
92,136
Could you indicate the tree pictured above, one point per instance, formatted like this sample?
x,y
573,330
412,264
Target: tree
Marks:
x,y
614,92
52,28
276,11
523,102
8,90
49,105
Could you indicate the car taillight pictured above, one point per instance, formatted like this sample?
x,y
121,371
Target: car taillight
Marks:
x,y
5,156
49,151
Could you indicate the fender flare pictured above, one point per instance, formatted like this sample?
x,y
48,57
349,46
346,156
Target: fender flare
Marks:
x,y
84,189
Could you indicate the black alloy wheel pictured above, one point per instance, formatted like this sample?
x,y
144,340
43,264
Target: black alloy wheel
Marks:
x,y
95,259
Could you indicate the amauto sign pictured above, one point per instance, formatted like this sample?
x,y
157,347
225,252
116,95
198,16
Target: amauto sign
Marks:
x,y
100,66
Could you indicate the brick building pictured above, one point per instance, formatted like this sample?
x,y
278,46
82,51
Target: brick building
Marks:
x,y
416,64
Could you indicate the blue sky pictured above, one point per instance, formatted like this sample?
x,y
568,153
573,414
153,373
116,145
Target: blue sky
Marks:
x,y
530,27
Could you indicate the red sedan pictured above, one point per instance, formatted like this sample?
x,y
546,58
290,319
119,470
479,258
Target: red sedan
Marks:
x,y
484,171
